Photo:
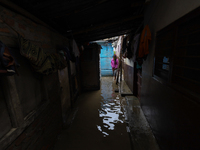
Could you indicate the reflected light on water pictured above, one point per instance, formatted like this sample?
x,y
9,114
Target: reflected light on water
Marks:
x,y
110,109
111,114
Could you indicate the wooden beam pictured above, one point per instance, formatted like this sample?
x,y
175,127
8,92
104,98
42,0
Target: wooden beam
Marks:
x,y
110,23
99,37
102,35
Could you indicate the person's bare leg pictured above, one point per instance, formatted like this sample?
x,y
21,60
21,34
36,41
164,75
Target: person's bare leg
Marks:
x,y
115,74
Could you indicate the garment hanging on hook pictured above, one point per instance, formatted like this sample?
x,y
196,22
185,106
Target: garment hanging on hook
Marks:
x,y
144,42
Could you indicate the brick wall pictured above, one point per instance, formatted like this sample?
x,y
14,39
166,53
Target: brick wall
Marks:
x,y
41,133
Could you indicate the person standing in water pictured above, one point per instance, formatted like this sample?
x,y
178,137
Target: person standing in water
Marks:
x,y
114,65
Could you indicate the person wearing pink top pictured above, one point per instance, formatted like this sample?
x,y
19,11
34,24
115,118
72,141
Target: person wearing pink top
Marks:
x,y
114,65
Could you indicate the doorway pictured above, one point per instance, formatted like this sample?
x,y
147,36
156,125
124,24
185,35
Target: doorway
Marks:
x,y
106,55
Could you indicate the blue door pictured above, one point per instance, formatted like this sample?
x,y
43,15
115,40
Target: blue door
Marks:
x,y
105,59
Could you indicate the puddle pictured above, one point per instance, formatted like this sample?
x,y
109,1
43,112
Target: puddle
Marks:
x,y
99,123
110,110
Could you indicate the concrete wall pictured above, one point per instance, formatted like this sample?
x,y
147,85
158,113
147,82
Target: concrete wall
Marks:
x,y
39,96
172,115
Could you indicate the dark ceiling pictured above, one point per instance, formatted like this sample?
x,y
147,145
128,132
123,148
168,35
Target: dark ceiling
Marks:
x,y
87,20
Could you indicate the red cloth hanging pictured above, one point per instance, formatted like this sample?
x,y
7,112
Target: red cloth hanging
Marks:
x,y
144,42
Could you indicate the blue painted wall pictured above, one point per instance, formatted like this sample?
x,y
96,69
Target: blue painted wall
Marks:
x,y
105,59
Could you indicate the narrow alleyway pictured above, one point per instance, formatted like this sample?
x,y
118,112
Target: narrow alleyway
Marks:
x,y
99,122
51,52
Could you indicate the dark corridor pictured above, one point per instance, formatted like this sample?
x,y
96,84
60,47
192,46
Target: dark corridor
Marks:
x,y
53,96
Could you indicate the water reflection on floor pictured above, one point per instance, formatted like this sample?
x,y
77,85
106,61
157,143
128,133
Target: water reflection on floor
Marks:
x,y
110,111
99,122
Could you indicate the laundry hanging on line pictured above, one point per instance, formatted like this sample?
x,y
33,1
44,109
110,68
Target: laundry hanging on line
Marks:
x,y
145,40
40,61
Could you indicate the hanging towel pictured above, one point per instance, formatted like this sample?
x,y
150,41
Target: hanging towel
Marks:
x,y
144,42
40,61
32,52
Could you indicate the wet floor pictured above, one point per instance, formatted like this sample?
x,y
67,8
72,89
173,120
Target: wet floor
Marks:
x,y
99,122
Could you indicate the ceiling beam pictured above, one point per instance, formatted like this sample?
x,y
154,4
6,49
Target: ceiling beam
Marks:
x,y
99,37
55,4
107,24
102,32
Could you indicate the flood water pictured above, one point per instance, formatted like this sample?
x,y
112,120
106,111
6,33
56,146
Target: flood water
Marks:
x,y
110,111
99,122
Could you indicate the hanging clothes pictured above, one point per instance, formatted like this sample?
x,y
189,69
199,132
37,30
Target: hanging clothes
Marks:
x,y
70,56
40,61
7,62
144,42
